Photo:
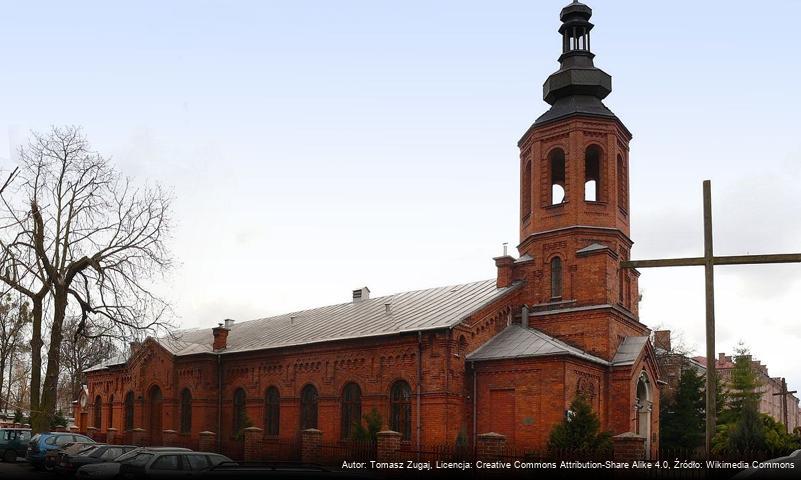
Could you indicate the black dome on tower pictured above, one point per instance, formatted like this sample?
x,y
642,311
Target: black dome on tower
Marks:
x,y
578,86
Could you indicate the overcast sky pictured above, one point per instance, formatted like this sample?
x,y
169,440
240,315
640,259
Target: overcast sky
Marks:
x,y
316,147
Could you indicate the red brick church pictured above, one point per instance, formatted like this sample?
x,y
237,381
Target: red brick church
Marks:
x,y
506,355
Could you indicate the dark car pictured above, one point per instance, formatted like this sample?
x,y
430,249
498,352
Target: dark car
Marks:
x,y
166,464
41,443
778,468
70,462
53,457
13,443
109,470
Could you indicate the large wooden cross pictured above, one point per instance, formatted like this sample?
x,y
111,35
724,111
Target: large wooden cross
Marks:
x,y
784,394
708,261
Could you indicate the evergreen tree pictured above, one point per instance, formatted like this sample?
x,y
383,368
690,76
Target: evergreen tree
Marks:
x,y
682,419
579,434
748,433
368,433
743,387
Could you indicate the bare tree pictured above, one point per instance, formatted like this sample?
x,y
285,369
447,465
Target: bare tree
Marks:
x,y
79,351
89,238
14,318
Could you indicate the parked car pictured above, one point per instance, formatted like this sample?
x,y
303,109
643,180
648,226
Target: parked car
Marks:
x,y
109,470
13,443
149,465
778,468
41,443
69,463
53,457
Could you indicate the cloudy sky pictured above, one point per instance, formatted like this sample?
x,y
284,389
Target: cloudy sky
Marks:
x,y
316,147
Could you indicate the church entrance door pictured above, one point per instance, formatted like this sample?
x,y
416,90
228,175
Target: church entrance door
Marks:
x,y
644,407
156,401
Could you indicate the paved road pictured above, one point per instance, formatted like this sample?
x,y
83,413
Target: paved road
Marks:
x,y
22,470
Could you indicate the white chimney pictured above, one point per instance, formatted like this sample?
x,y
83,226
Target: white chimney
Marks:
x,y
361,294
229,323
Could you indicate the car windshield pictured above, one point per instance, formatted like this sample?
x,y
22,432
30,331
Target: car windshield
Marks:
x,y
109,453
86,450
127,456
139,460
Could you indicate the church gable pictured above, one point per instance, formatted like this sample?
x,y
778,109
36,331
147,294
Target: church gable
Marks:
x,y
151,364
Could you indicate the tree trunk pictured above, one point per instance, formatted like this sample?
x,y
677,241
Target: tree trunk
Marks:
x,y
3,400
50,386
36,367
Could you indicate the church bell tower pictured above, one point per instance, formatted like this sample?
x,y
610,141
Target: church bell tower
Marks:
x,y
574,205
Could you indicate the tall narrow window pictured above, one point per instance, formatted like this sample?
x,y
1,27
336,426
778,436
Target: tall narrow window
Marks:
x,y
401,409
129,411
186,411
111,411
556,277
351,409
592,174
272,411
308,407
557,166
98,411
622,184
239,410
525,192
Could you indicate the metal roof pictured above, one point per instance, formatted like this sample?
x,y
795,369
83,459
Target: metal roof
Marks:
x,y
517,342
428,309
629,351
594,247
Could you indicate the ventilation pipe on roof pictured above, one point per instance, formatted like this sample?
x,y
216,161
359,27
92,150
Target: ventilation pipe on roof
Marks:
x,y
388,308
524,317
361,294
229,323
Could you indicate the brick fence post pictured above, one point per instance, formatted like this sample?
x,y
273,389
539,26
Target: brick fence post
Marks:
x,y
490,446
111,436
169,438
60,428
253,444
207,442
92,433
138,436
388,445
311,445
628,447
74,429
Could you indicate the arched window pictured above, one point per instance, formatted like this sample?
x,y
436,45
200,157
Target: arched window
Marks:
x,y
239,410
400,398
622,184
556,277
556,161
98,411
351,409
110,411
272,411
592,174
525,192
186,411
308,407
129,411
